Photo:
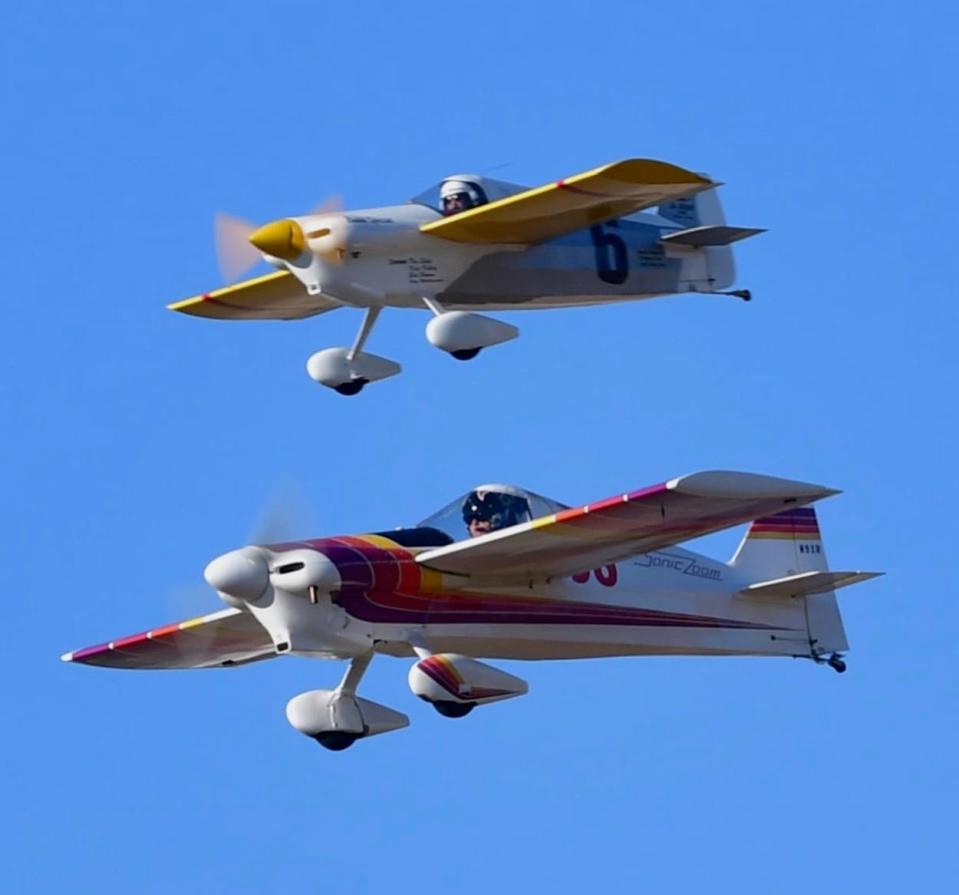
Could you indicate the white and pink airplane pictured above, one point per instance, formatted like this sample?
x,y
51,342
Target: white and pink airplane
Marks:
x,y
503,573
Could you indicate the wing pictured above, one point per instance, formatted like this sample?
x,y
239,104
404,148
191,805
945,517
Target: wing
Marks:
x,y
591,536
580,201
225,638
276,296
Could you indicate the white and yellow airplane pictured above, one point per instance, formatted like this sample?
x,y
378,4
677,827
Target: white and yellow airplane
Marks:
x,y
472,244
504,573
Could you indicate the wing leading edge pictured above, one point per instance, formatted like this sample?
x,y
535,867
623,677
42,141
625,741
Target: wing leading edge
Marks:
x,y
605,193
590,536
221,639
276,296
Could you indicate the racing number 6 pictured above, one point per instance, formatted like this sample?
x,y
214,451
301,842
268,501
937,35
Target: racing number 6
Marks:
x,y
612,259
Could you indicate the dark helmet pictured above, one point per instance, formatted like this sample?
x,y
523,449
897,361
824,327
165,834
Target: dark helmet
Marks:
x,y
500,505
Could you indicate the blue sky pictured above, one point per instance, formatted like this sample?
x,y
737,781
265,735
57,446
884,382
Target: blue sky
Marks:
x,y
140,443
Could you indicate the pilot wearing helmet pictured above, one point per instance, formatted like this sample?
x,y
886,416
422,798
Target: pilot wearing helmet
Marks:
x,y
492,507
457,194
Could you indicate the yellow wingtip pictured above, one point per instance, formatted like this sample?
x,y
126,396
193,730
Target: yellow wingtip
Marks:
x,y
641,172
185,303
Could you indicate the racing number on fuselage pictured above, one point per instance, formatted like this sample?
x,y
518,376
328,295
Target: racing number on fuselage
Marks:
x,y
612,259
607,575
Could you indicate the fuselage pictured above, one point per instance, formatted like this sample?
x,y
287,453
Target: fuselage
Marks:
x,y
389,262
664,602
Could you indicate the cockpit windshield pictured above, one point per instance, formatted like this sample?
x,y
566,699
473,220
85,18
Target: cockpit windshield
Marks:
x,y
460,192
430,197
489,508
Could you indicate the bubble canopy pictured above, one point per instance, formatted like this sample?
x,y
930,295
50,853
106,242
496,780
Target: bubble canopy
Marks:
x,y
524,505
491,189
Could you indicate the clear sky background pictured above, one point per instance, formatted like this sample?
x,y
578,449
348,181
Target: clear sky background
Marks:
x,y
138,444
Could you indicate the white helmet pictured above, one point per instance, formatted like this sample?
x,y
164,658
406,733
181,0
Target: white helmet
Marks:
x,y
458,195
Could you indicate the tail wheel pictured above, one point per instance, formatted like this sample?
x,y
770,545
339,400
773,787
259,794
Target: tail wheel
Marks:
x,y
837,664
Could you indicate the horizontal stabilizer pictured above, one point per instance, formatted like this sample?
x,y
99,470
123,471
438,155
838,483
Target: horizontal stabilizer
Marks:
x,y
806,583
276,296
715,235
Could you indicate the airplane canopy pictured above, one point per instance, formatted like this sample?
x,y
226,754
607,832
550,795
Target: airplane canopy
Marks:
x,y
500,504
491,189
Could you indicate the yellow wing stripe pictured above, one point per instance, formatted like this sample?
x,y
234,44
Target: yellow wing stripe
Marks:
x,y
233,291
582,200
274,296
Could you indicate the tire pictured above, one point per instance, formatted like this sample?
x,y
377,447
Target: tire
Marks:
x,y
336,740
454,709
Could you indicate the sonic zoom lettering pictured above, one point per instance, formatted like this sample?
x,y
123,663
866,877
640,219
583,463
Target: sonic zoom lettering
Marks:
x,y
679,564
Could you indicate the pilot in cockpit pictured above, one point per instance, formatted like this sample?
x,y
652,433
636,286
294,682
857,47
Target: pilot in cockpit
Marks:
x,y
458,195
492,507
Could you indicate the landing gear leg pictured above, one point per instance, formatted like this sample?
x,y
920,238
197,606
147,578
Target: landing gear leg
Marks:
x,y
355,672
369,318
348,370
434,305
355,386
338,740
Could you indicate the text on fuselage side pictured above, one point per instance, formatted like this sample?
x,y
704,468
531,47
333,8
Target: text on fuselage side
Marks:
x,y
682,564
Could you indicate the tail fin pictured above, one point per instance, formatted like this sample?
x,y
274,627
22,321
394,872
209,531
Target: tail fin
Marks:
x,y
782,545
705,209
787,544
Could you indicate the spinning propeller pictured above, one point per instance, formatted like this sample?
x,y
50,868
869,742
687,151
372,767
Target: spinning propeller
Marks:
x,y
240,244
285,517
277,588
235,255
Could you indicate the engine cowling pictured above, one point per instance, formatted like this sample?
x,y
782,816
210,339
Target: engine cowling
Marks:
x,y
296,571
449,680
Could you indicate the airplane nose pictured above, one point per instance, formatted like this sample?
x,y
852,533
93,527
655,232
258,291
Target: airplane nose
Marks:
x,y
242,574
281,239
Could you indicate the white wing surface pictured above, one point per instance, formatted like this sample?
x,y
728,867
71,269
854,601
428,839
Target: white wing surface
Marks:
x,y
221,639
589,536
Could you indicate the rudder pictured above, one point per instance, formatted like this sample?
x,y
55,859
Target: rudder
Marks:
x,y
696,211
790,543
